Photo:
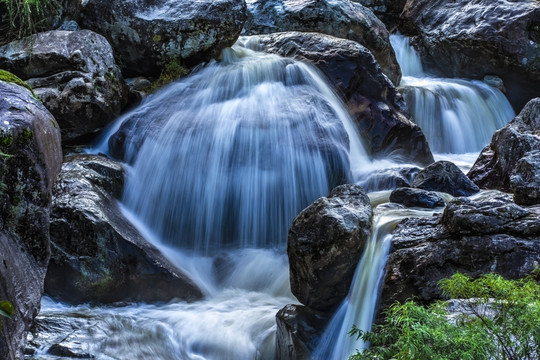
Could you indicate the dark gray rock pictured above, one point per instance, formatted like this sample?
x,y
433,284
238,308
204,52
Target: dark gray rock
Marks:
x,y
372,100
342,18
525,179
474,38
473,237
97,255
445,176
389,179
147,34
74,75
496,162
30,158
325,243
411,197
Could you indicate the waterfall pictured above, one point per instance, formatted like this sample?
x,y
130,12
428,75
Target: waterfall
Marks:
x,y
457,116
228,157
359,308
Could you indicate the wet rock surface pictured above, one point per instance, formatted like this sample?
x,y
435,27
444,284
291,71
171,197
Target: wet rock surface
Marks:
x,y
147,34
445,176
97,254
525,179
390,179
343,19
75,76
325,243
411,197
372,100
30,158
495,164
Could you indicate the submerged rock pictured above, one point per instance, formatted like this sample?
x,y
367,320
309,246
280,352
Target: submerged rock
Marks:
x,y
465,38
325,243
445,176
74,75
372,100
148,34
389,179
497,161
30,159
97,255
489,234
411,197
342,18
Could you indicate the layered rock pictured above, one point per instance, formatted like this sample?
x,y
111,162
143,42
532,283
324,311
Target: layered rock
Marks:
x,y
324,246
373,101
75,76
342,19
466,38
445,176
147,34
30,158
97,255
497,161
489,234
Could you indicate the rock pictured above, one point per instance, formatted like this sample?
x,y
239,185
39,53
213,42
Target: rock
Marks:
x,y
466,38
525,179
298,330
74,74
373,102
445,176
473,237
416,198
147,34
389,179
341,18
496,162
387,10
30,158
97,255
324,246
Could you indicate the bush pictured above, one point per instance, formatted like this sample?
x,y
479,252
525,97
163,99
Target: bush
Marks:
x,y
500,319
21,18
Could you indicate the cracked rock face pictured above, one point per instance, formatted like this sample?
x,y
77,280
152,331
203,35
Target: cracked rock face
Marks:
x,y
147,34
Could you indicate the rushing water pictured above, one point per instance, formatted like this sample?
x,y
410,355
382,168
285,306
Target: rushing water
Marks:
x,y
457,116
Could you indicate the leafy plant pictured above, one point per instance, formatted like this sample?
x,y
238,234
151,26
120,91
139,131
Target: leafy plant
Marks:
x,y
6,310
499,319
171,71
21,18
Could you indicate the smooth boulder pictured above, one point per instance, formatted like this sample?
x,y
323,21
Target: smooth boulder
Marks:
x,y
75,76
324,246
97,254
497,161
374,103
445,176
30,158
340,18
412,197
474,38
148,34
476,237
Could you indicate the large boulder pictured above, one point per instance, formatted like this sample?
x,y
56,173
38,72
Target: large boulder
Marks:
x,y
474,38
30,158
325,243
148,34
497,161
374,103
74,75
525,180
97,255
340,18
490,234
412,197
445,176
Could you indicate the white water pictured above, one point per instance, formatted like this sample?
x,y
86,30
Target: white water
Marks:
x,y
456,115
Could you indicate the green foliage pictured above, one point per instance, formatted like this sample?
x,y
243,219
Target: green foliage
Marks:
x,y
22,18
9,77
171,71
500,319
6,310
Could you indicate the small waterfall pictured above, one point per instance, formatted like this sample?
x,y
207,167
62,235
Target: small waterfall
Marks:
x,y
231,154
457,116
360,306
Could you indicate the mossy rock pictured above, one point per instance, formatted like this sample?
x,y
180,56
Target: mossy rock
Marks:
x,y
11,78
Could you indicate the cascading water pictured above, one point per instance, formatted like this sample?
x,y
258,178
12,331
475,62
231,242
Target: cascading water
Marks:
x,y
457,116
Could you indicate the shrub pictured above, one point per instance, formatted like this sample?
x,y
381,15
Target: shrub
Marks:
x,y
500,320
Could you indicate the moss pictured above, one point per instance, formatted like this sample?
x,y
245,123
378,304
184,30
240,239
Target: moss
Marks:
x,y
6,140
25,137
157,38
11,78
172,70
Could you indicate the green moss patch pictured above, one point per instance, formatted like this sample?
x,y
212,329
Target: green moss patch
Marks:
x,y
11,78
